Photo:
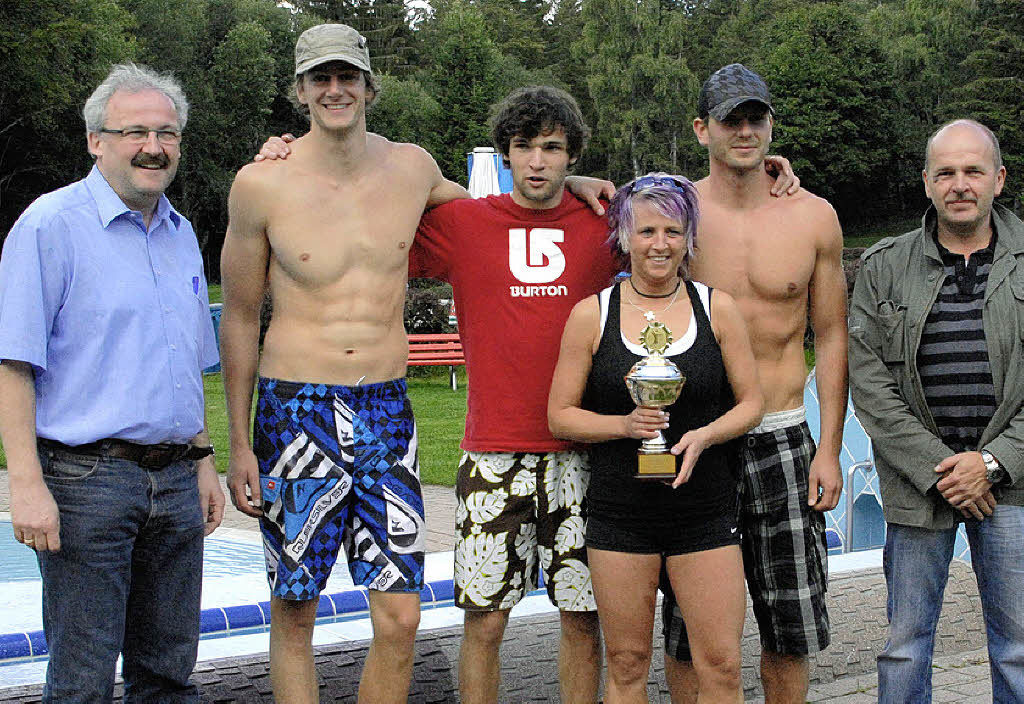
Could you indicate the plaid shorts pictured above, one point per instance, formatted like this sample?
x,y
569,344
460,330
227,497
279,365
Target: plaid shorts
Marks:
x,y
517,513
784,549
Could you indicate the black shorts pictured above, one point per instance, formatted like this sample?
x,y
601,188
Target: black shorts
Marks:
x,y
639,537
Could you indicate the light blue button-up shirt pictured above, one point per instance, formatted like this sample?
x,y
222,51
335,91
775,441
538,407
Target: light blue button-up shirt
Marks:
x,y
115,320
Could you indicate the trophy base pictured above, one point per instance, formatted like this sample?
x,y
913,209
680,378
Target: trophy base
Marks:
x,y
655,466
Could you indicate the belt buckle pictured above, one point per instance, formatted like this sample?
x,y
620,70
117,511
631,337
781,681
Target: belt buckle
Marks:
x,y
157,457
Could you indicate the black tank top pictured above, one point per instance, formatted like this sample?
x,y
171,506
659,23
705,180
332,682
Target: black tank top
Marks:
x,y
613,493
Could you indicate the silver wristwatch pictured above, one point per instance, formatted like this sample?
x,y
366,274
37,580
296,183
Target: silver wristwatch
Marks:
x,y
994,471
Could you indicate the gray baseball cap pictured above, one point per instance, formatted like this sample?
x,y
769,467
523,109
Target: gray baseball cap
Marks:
x,y
331,42
729,87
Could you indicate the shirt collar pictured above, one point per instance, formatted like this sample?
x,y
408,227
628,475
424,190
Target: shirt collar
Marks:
x,y
110,205
930,226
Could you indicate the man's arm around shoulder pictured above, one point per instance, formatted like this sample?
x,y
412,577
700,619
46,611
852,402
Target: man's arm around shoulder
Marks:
x,y
243,266
828,319
441,190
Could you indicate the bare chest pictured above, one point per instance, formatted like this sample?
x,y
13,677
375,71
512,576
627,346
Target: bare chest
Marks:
x,y
760,259
321,232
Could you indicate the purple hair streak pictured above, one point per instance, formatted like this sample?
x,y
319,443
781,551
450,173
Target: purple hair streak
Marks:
x,y
672,196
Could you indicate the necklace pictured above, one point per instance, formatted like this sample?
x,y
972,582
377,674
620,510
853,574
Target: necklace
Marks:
x,y
673,292
649,314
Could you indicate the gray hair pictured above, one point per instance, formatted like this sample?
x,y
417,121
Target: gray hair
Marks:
x,y
132,78
997,154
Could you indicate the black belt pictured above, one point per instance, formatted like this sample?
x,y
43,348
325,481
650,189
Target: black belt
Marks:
x,y
148,456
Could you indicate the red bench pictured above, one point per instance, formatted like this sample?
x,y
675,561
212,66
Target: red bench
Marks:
x,y
437,350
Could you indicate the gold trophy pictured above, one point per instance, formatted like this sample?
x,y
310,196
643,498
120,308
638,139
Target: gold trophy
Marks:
x,y
655,382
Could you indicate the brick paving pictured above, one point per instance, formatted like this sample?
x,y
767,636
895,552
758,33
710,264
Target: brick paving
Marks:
x,y
843,674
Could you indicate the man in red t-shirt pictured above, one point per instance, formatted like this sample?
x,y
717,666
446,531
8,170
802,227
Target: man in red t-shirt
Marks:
x,y
518,263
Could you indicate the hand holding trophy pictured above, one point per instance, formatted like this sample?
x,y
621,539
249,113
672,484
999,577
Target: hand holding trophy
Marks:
x,y
655,382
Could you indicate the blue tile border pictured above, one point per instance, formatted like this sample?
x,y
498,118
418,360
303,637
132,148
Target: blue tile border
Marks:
x,y
325,607
232,618
352,601
212,620
15,645
245,616
37,642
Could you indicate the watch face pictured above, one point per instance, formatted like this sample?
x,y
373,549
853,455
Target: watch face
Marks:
x,y
994,472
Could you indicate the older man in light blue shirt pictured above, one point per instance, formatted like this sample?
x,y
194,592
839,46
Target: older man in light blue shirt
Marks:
x,y
104,332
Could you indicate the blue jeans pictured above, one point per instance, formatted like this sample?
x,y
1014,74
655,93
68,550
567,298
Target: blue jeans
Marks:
x,y
916,563
127,579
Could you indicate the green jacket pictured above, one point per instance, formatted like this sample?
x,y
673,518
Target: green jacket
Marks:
x,y
896,287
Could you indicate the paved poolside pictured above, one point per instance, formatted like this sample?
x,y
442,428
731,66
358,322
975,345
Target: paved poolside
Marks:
x,y
844,673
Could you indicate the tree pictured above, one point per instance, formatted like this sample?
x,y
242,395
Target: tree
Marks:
x,y
640,84
233,108
570,69
994,96
53,53
228,59
926,44
832,91
465,79
405,112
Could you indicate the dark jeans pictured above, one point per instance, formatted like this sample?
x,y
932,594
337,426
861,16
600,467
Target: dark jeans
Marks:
x,y
127,579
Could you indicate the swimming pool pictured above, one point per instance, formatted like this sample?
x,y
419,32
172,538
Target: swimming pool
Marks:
x,y
221,558
235,594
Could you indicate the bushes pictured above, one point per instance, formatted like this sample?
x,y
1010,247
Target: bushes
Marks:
x,y
427,304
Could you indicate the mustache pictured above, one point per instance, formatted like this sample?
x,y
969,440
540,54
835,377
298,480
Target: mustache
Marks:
x,y
144,160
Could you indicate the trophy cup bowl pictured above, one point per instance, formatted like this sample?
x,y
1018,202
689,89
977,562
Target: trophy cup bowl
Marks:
x,y
655,382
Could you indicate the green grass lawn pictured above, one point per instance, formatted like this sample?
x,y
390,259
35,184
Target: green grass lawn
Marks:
x,y
440,422
440,418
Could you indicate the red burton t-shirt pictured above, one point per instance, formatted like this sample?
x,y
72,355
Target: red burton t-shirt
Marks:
x,y
516,273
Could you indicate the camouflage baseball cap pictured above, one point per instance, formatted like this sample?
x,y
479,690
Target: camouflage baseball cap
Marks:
x,y
331,42
729,87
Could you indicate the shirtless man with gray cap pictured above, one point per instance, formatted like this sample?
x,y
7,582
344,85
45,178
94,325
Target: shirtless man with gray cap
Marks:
x,y
778,258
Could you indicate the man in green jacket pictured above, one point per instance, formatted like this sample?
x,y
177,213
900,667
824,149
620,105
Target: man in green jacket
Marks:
x,y
937,377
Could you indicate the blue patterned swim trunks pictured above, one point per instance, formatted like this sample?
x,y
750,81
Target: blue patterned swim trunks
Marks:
x,y
338,466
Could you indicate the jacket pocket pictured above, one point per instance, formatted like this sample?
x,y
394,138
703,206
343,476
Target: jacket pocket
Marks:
x,y
892,320
1017,286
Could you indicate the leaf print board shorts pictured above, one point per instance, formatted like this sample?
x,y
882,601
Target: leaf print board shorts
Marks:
x,y
517,512
338,465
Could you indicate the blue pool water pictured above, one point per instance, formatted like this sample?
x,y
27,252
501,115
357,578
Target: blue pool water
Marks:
x,y
221,558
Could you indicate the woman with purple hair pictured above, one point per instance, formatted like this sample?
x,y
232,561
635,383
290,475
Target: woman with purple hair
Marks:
x,y
635,526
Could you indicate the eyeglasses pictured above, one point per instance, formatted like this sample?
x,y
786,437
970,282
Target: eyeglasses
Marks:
x,y
645,182
140,135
